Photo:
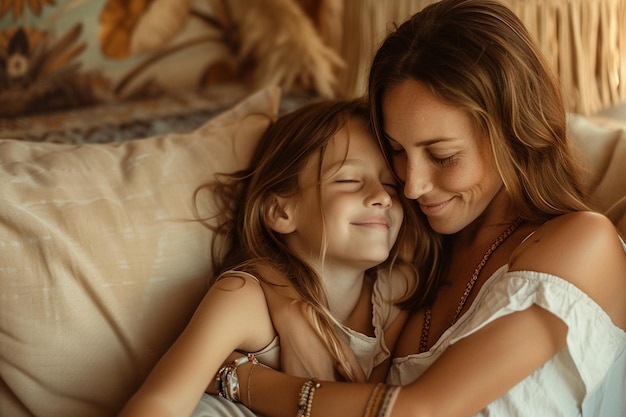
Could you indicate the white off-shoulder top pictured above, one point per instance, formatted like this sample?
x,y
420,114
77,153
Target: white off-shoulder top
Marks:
x,y
586,378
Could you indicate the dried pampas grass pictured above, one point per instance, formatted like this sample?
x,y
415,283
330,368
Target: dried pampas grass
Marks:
x,y
283,46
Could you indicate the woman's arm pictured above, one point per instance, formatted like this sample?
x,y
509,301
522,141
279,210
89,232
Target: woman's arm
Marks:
x,y
478,369
232,315
469,375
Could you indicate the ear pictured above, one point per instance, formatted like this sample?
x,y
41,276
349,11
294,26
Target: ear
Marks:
x,y
279,214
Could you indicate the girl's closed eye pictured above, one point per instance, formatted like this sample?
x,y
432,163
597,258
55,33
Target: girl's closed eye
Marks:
x,y
392,190
349,183
395,146
389,183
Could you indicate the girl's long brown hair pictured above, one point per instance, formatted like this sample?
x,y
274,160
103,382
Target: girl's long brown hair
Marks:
x,y
243,238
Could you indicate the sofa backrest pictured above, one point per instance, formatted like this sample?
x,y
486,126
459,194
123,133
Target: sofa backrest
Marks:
x,y
102,260
602,143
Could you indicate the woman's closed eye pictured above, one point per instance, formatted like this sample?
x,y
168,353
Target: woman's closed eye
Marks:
x,y
442,160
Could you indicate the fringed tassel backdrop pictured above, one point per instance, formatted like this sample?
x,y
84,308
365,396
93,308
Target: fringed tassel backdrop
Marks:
x,y
584,40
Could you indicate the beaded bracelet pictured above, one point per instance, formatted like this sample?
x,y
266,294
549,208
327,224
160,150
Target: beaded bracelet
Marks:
x,y
305,399
388,401
381,400
227,382
374,401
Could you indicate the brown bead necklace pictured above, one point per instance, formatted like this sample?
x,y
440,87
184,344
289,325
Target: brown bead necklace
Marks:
x,y
470,285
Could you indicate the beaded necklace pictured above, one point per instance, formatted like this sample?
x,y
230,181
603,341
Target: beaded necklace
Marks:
x,y
470,285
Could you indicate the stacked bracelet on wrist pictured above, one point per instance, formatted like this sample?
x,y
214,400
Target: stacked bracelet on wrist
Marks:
x,y
305,400
227,383
381,400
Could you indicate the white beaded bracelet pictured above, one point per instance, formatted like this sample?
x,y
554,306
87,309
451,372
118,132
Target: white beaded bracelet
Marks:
x,y
305,399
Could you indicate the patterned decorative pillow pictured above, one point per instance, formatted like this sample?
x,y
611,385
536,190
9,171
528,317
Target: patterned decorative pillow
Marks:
x,y
101,261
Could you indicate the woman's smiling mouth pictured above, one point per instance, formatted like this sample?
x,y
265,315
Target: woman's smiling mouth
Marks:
x,y
433,209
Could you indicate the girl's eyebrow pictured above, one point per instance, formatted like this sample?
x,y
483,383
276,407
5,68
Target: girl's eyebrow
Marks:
x,y
344,162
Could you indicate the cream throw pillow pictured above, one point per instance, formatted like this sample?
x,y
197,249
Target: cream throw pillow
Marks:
x,y
603,145
99,269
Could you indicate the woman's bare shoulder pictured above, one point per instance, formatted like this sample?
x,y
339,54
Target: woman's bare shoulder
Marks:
x,y
581,247
569,242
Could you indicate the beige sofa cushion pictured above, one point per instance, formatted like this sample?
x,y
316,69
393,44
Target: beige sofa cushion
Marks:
x,y
100,267
603,145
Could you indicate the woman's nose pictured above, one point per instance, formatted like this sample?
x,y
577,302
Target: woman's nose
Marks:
x,y
417,180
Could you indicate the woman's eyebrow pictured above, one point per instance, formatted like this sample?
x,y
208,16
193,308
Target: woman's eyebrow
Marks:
x,y
421,143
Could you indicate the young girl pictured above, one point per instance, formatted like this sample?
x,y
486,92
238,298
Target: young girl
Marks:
x,y
316,227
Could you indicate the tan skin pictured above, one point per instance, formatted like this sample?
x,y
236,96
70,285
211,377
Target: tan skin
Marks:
x,y
469,202
357,197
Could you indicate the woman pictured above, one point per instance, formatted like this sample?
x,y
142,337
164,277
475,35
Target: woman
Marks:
x,y
526,314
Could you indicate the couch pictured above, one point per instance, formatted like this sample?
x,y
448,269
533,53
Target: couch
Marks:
x,y
102,263
101,260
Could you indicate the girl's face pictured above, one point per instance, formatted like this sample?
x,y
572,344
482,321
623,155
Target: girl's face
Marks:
x,y
359,200
446,163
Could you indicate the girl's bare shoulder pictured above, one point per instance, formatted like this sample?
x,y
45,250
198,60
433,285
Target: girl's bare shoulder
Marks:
x,y
242,286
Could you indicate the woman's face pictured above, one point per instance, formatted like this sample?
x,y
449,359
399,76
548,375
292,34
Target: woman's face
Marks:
x,y
445,161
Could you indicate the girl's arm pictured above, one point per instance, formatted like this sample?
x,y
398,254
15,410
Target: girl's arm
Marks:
x,y
232,315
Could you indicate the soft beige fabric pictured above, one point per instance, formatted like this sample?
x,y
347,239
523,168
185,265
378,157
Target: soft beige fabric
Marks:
x,y
602,143
100,267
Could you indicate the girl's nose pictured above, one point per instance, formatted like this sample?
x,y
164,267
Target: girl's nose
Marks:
x,y
379,196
